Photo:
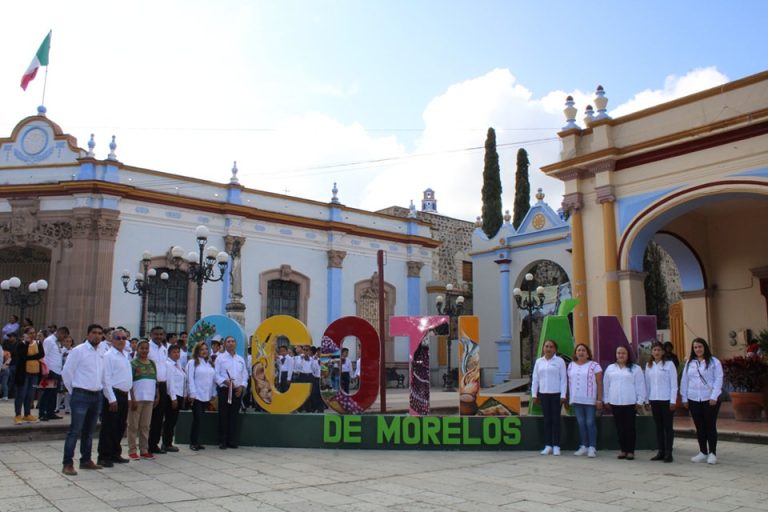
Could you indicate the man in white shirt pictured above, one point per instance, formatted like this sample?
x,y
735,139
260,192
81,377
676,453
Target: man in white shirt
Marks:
x,y
158,352
83,376
285,363
176,378
54,361
231,380
118,379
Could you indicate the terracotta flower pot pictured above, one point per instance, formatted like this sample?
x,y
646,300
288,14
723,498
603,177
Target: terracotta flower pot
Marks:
x,y
747,406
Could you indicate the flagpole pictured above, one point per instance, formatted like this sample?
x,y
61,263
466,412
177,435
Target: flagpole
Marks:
x,y
45,82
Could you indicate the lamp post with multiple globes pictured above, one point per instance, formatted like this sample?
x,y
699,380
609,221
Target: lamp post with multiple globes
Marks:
x,y
452,309
15,295
201,264
145,282
530,303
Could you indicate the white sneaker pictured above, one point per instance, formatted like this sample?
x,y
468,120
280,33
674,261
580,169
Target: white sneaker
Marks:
x,y
556,450
700,457
547,450
591,452
581,451
711,458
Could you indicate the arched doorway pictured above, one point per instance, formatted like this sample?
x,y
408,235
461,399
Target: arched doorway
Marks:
x,y
28,264
557,286
716,235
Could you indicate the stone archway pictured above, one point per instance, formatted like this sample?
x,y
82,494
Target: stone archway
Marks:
x,y
715,234
557,285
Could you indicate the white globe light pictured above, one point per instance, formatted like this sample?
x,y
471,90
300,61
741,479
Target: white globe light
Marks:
x,y
126,273
460,299
529,277
146,255
15,282
517,292
5,285
211,251
42,285
449,287
540,290
151,272
32,287
439,299
177,252
192,257
201,232
139,277
164,276
222,257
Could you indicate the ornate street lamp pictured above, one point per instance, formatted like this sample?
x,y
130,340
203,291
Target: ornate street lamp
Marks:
x,y
201,264
453,310
143,285
15,295
531,304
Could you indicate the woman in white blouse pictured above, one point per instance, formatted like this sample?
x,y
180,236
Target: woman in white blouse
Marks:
x,y
661,384
548,387
624,387
700,389
200,376
585,392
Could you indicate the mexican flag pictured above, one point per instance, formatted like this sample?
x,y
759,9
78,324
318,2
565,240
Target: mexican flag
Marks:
x,y
40,59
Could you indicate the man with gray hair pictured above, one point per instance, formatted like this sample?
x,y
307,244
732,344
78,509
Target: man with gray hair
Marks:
x,y
118,379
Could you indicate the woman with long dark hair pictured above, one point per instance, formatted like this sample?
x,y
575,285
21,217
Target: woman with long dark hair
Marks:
x,y
548,388
700,389
625,393
200,375
585,392
661,384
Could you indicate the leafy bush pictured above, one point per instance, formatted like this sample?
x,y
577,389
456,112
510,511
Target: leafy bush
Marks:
x,y
745,374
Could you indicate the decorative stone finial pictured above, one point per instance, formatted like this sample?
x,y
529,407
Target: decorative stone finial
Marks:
x,y
540,195
91,145
335,191
570,114
233,180
112,148
601,102
41,110
589,115
412,210
507,217
479,222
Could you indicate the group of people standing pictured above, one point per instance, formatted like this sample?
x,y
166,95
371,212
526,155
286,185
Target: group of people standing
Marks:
x,y
624,389
141,389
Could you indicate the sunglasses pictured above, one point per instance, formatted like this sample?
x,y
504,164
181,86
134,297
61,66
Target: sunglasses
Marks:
x,y
120,337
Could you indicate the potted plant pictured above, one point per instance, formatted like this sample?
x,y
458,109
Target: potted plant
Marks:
x,y
745,376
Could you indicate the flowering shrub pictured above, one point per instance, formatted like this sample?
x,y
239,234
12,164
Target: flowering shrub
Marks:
x,y
745,374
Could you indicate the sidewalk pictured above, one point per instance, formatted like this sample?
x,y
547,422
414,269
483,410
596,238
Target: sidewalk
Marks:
x,y
442,402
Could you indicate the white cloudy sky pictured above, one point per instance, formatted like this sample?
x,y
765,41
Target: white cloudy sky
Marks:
x,y
384,98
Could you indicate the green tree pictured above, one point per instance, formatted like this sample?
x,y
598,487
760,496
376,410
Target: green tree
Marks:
x,y
656,298
522,188
492,217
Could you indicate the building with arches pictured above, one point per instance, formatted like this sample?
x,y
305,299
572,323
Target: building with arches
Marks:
x,y
691,175
540,246
78,221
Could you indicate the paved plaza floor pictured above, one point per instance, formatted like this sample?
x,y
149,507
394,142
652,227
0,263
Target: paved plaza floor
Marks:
x,y
262,479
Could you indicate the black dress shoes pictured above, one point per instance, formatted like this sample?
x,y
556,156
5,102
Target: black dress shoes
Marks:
x,y
120,460
658,456
155,449
170,448
194,448
668,458
104,463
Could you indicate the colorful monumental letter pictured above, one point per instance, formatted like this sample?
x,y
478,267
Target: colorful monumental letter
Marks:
x,y
370,359
417,328
470,401
556,328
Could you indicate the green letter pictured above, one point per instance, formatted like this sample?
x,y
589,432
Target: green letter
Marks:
x,y
511,427
431,429
491,431
451,428
352,429
412,430
388,432
331,422
465,437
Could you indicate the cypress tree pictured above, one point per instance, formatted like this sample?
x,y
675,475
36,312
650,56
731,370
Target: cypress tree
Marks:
x,y
656,301
492,217
522,188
